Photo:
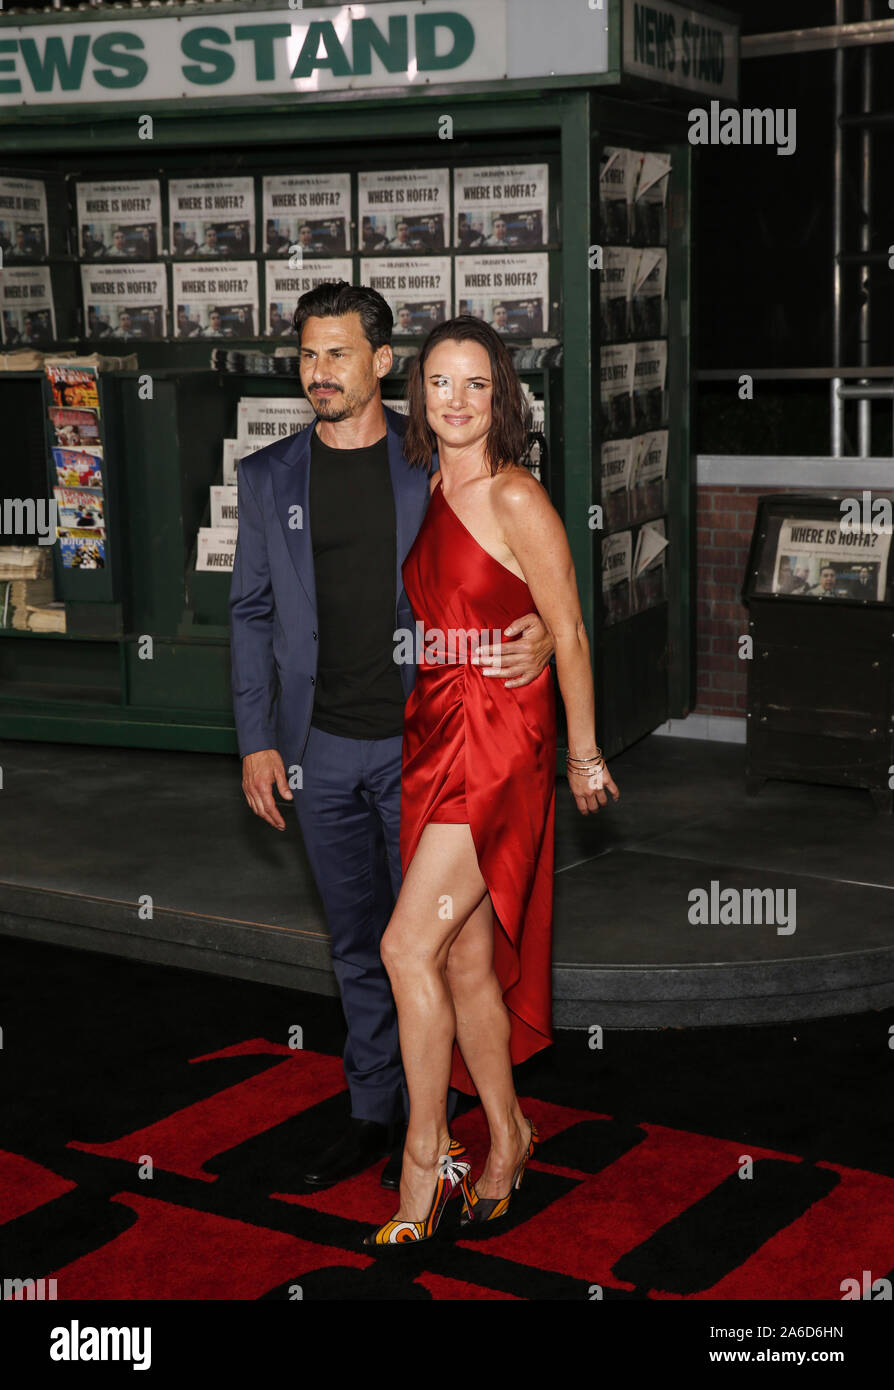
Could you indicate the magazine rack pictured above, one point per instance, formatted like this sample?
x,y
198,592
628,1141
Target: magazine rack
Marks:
x,y
820,596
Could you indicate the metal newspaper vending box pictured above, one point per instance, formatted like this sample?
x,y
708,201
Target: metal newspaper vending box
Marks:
x,y
820,593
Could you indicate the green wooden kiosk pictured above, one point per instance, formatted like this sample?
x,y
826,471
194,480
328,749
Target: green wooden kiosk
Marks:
x,y
270,88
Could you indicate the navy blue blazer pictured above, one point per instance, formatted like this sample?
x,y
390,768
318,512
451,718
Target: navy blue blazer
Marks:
x,y
274,642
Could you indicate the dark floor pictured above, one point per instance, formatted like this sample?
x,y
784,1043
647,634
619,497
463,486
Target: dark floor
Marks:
x,y
88,830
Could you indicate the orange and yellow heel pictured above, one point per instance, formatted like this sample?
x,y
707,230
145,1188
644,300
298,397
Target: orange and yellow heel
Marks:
x,y
452,1174
479,1209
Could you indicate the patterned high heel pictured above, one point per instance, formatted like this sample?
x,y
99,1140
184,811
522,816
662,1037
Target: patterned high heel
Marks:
x,y
478,1209
452,1172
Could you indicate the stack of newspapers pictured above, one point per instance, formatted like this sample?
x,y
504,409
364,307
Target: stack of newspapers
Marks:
x,y
26,590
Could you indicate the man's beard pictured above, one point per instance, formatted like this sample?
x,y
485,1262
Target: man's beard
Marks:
x,y
333,409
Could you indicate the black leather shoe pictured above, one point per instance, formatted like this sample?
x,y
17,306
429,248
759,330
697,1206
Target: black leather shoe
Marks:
x,y
392,1170
363,1142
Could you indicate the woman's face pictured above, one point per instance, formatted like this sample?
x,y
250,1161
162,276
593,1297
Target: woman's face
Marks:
x,y
459,392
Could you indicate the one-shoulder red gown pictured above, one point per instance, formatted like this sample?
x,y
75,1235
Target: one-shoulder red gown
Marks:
x,y
477,752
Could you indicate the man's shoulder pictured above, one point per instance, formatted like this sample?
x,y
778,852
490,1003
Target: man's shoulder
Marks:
x,y
259,460
397,421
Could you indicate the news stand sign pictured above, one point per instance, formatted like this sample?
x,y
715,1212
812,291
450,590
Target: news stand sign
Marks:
x,y
315,53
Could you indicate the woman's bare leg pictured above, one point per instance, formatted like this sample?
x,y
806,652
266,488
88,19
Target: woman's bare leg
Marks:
x,y
441,889
482,1031
438,951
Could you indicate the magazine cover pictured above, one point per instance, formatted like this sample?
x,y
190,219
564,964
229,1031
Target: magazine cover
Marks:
x,y
78,467
73,386
81,550
79,509
74,428
125,301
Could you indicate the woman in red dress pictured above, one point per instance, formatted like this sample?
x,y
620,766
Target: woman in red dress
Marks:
x,y
468,946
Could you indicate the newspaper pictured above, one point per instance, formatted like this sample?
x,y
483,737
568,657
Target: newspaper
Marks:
x,y
650,199
216,548
308,211
125,301
505,207
616,368
617,458
283,287
403,211
417,290
618,171
649,380
212,217
216,299
825,560
24,235
650,566
230,455
509,292
224,507
119,221
617,551
648,297
26,305
648,474
618,268
261,420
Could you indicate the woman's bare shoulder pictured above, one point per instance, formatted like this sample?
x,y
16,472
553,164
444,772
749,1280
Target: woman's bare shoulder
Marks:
x,y
514,489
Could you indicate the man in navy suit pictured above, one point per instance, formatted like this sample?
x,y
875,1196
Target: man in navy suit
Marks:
x,y
326,518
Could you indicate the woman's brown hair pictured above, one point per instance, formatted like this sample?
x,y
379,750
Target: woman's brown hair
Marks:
x,y
507,439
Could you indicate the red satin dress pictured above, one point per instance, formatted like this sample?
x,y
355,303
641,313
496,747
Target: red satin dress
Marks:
x,y
478,753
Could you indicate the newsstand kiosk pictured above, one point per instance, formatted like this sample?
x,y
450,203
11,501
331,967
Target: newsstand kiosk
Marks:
x,y
820,594
177,174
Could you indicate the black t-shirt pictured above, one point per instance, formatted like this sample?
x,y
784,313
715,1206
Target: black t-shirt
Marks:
x,y
358,692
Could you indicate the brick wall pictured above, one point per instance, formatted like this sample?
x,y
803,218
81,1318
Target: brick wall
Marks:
x,y
724,522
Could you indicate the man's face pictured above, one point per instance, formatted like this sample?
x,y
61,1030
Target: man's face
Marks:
x,y
500,317
306,236
20,238
211,237
125,322
499,229
864,575
214,321
827,579
340,372
403,231
403,318
118,240
432,225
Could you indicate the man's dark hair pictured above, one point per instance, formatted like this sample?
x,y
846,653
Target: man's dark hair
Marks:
x,y
334,298
507,440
